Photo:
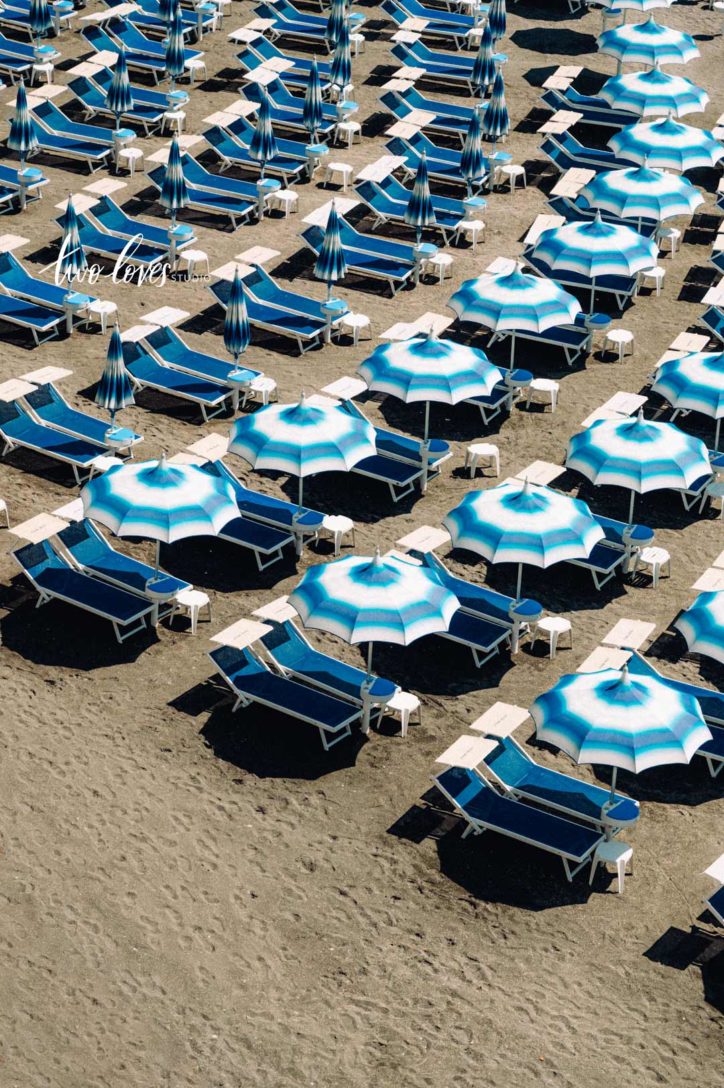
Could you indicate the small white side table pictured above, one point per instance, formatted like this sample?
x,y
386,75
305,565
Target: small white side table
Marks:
x,y
658,559
174,117
654,276
191,601
482,451
42,69
338,173
130,157
351,130
338,526
100,311
472,229
544,389
615,853
262,388
405,704
192,257
285,200
440,265
356,323
619,340
553,627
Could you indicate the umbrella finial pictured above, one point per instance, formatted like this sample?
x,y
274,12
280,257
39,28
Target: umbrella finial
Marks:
x,y
162,461
525,490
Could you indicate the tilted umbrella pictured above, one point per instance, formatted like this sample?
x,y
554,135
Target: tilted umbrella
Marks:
x,y
419,212
119,98
22,137
654,92
114,390
237,334
313,114
340,73
523,524
484,65
175,53
702,626
72,260
263,145
331,265
496,122
648,43
497,19
694,383
666,144
174,192
472,161
641,193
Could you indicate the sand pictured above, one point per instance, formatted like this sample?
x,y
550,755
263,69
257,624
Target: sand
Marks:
x,y
191,898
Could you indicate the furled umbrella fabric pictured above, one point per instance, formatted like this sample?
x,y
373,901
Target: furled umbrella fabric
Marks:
x,y
167,10
666,144
313,114
341,70
496,122
120,97
702,626
484,66
694,383
263,145
331,266
648,43
22,137
473,165
174,192
337,19
237,333
72,259
419,212
114,390
40,19
654,92
641,193
175,54
497,19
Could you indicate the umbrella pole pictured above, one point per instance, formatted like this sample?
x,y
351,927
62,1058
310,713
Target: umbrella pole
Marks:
x,y
520,582
427,420
612,796
370,646
593,294
512,352
631,507
158,559
300,492
716,436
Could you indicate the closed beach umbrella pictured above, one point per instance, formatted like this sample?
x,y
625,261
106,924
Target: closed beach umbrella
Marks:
x,y
472,160
337,19
161,501
331,265
592,248
497,19
175,56
484,66
639,455
263,145
340,73
167,9
40,19
419,212
302,439
114,390
72,260
313,113
648,43
619,720
120,97
496,122
654,92
694,383
237,334
174,194
641,193
666,144
702,626
373,599
523,524
514,302
22,137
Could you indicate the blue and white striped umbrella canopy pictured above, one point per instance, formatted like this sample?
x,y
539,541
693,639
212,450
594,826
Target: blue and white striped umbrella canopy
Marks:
x,y
237,333
648,43
313,114
619,720
472,161
72,259
331,265
336,20
340,73
22,137
40,19
496,122
302,439
639,455
666,144
593,248
174,193
114,390
636,5
524,524
119,98
175,56
497,19
484,65
419,212
641,193
263,145
694,383
654,92
702,626
373,599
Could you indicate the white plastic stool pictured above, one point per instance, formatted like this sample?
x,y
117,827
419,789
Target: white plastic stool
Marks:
x,y
262,388
358,41
356,323
338,173
192,601
130,157
482,451
338,526
619,340
194,67
285,199
672,235
615,853
658,559
472,229
101,311
4,512
192,257
440,265
174,117
511,172
405,704
43,69
350,130
544,389
553,627
655,276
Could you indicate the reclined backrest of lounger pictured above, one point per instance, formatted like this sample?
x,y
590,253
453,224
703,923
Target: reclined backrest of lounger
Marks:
x,y
90,549
58,122
474,598
715,903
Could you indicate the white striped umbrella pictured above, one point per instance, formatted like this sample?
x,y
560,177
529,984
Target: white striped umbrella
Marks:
x,y
702,625
694,383
641,193
667,144
648,43
654,92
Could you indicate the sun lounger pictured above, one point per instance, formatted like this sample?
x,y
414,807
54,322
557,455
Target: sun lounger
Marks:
x,y
443,163
200,178
14,67
485,810
102,42
137,44
575,210
260,52
500,399
375,258
145,98
234,151
450,28
94,103
147,373
54,120
252,682
18,282
566,153
113,220
54,579
170,349
41,321
615,552
713,320
12,184
596,111
19,432
623,288
237,209
114,247
573,340
439,68
17,58
287,111
440,117
288,22
388,201
50,408
94,153
149,17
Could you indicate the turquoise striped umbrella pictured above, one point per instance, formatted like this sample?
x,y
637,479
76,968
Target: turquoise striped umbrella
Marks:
x,y
641,193
40,19
484,66
427,369
161,501
619,720
523,524
694,383
174,193
636,5
419,212
666,144
331,265
313,114
652,92
167,9
302,439
237,334
639,455
702,626
22,138
340,73
373,599
72,259
496,122
472,160
114,390
514,302
592,248
648,43
497,19
175,54
337,19
119,98
263,145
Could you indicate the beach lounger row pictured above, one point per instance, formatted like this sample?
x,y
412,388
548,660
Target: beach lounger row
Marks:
x,y
448,27
260,52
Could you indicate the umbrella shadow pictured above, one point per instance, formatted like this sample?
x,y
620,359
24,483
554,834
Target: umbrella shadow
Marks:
x,y
222,566
554,40
698,947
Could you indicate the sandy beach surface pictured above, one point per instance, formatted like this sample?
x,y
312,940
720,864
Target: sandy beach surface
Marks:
x,y
193,899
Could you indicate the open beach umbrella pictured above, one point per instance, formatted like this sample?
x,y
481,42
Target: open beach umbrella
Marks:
x,y
337,19
174,194
119,98
523,524
161,501
641,6
114,390
340,73
484,65
641,193
331,265
313,114
72,259
237,334
472,160
514,302
175,55
702,626
40,20
373,599
592,248
497,19
22,137
496,122
654,92
648,43
639,455
263,145
619,720
303,439
694,383
419,212
666,144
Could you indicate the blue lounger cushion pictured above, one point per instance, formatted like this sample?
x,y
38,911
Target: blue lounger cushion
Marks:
x,y
267,508
715,903
52,410
254,535
169,347
236,207
144,369
93,552
112,247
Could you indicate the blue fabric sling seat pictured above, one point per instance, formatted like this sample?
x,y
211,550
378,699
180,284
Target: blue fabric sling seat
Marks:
x,y
201,178
58,122
52,409
445,123
172,350
476,599
24,51
448,25
292,150
17,281
135,42
287,111
41,321
143,97
622,288
575,210
146,372
52,143
252,682
10,179
392,262
102,42
715,903
264,541
713,319
18,430
500,399
238,209
388,200
258,52
94,101
440,68
15,67
234,151
443,163
113,246
55,579
486,810
287,516
115,221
